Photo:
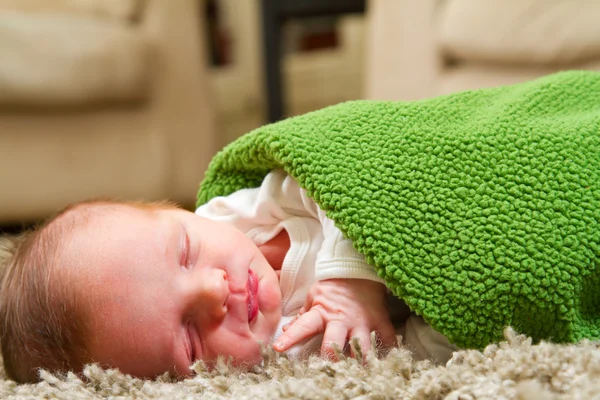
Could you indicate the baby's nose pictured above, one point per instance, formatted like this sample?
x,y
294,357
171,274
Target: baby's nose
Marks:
x,y
214,293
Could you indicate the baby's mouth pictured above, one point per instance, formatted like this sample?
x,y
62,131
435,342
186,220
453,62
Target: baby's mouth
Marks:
x,y
252,296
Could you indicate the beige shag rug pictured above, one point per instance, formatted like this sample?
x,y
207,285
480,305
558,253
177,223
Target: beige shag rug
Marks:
x,y
514,369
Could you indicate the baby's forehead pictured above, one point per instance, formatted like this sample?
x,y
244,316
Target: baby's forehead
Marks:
x,y
91,234
79,218
88,210
84,212
95,221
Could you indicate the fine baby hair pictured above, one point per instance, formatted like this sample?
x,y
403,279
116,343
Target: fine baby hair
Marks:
x,y
43,318
41,325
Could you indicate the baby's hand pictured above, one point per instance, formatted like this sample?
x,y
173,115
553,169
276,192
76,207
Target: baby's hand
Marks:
x,y
342,309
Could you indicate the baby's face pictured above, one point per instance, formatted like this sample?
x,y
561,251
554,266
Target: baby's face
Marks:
x,y
167,287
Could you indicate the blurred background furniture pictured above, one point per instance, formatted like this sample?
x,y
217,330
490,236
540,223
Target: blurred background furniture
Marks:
x,y
101,98
274,14
319,60
419,49
131,98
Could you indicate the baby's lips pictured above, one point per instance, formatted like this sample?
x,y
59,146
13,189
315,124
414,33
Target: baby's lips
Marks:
x,y
252,296
252,281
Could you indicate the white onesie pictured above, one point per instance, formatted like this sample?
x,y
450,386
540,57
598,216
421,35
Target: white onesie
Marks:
x,y
318,251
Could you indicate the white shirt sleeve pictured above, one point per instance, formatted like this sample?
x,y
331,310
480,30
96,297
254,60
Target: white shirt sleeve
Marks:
x,y
253,211
338,258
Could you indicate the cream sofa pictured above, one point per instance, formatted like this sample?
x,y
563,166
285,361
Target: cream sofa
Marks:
x,y
424,48
101,98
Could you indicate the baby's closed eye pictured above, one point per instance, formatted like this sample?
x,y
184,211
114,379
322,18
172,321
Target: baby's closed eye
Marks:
x,y
184,257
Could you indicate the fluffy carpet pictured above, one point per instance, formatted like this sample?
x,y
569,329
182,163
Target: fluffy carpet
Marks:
x,y
513,369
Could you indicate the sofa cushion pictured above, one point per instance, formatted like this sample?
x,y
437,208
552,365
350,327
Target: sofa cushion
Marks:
x,y
473,75
121,10
521,31
65,60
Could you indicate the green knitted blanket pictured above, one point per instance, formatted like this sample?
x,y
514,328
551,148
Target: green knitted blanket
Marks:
x,y
480,209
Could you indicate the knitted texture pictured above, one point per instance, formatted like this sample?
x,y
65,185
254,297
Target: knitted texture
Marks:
x,y
480,209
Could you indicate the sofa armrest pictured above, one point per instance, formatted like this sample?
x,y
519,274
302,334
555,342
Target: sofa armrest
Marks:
x,y
181,101
402,58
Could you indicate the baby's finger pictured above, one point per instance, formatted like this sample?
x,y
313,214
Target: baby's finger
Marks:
x,y
363,336
336,334
307,326
387,336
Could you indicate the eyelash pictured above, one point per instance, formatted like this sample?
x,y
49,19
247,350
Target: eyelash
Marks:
x,y
185,252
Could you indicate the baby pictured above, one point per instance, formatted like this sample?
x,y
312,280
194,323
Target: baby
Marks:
x,y
150,288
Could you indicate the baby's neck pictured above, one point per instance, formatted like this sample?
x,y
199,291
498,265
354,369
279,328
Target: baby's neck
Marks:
x,y
276,249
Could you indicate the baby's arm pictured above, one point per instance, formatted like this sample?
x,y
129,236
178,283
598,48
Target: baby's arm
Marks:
x,y
348,300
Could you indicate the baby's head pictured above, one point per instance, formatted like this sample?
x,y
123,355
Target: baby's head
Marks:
x,y
146,288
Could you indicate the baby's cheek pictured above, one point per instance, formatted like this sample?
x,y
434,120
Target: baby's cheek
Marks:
x,y
269,296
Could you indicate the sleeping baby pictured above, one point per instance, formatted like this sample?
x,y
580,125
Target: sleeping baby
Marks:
x,y
151,288
478,209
